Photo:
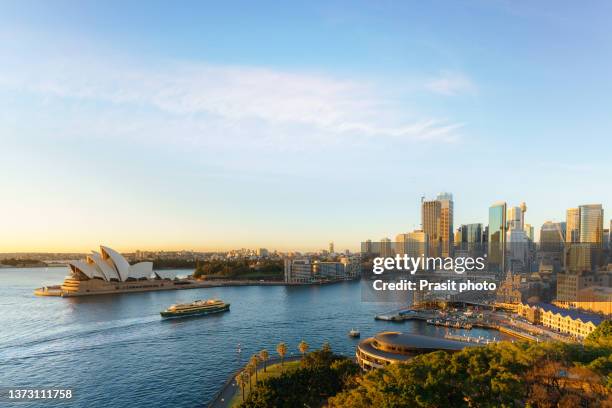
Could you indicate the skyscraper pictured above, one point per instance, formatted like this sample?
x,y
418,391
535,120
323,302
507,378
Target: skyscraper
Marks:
x,y
591,223
514,218
413,244
471,233
572,225
437,222
446,222
552,236
331,247
430,219
529,231
385,248
472,239
497,236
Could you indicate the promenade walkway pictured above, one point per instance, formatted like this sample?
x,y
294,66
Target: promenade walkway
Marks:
x,y
230,388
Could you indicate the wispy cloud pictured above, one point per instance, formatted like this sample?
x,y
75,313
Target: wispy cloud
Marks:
x,y
237,100
450,83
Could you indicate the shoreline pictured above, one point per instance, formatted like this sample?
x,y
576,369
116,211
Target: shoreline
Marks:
x,y
184,284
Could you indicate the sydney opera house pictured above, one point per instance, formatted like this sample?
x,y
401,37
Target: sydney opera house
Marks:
x,y
107,271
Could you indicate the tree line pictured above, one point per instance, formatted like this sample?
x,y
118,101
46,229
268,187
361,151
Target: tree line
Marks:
x,y
505,374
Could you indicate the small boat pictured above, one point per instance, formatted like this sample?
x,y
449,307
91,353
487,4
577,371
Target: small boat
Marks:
x,y
354,333
197,308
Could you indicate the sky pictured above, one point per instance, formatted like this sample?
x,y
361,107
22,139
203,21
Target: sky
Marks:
x,y
287,125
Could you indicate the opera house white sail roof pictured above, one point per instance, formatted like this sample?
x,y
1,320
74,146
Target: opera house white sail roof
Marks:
x,y
110,265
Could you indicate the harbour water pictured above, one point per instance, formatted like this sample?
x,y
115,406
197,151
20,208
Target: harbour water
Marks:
x,y
116,351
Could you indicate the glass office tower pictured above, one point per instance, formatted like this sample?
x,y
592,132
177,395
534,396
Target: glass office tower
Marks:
x,y
497,237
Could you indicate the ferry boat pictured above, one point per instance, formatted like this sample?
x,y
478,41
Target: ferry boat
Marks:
x,y
199,307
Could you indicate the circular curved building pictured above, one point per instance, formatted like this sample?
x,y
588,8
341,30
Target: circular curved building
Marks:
x,y
395,347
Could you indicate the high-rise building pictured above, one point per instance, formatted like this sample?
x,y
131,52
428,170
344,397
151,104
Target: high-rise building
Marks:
x,y
591,234
572,225
497,236
591,223
366,247
472,239
446,222
552,236
413,244
514,218
457,239
386,250
471,233
529,231
437,223
430,220
331,247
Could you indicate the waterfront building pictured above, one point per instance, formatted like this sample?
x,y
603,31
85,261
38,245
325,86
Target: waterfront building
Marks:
x,y
497,237
106,271
307,271
566,321
394,347
298,271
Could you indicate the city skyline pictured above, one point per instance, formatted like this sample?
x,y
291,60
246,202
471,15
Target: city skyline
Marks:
x,y
213,127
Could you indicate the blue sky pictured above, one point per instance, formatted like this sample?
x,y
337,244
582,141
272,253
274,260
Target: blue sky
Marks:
x,y
244,124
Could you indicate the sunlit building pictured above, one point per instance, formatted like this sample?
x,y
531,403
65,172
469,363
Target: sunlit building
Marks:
x,y
107,271
393,347
413,244
497,236
566,321
591,223
446,222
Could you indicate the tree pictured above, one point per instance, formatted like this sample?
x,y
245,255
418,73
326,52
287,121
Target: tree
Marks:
x,y
248,369
281,349
306,386
603,331
264,356
253,363
303,347
240,381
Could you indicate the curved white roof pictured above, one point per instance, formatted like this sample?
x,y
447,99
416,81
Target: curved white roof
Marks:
x,y
122,266
108,271
110,264
141,270
89,270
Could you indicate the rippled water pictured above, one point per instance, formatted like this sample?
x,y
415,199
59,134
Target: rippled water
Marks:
x,y
115,351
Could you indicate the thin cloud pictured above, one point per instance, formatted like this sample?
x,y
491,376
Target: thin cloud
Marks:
x,y
232,97
450,84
